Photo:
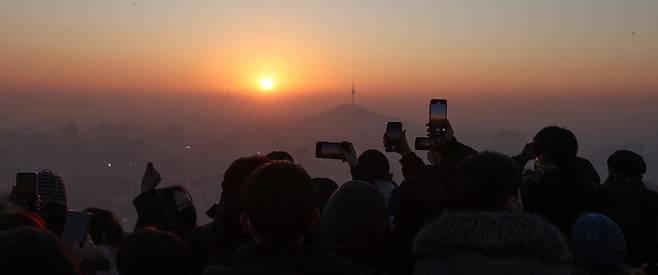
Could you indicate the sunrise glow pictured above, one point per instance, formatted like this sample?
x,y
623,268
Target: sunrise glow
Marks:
x,y
266,84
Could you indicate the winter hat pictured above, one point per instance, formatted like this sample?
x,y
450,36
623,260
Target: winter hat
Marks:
x,y
51,189
627,163
597,240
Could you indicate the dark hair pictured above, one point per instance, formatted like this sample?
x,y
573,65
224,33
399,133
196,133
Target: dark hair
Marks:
x,y
375,165
150,251
279,199
558,145
325,188
239,170
280,155
18,218
104,227
486,182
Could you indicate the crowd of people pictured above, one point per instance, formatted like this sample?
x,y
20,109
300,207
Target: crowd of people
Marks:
x,y
463,212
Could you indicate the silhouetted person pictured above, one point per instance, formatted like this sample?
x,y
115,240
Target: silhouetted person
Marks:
x,y
599,246
280,155
443,158
355,225
54,200
151,251
564,185
325,188
495,243
632,206
372,166
280,206
31,251
18,217
488,181
169,208
224,234
104,227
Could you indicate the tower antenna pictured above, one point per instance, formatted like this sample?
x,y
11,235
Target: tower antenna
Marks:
x,y
353,91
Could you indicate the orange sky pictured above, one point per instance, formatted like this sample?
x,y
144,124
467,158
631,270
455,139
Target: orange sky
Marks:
x,y
312,47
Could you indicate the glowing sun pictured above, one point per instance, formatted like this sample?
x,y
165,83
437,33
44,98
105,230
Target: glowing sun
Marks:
x,y
266,84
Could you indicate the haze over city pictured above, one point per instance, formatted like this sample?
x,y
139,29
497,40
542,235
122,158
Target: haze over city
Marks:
x,y
95,89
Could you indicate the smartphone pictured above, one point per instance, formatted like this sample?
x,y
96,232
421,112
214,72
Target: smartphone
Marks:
x,y
330,150
26,189
438,110
76,227
393,136
424,143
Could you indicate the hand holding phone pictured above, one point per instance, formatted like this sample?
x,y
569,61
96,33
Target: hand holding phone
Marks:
x,y
76,227
393,136
26,190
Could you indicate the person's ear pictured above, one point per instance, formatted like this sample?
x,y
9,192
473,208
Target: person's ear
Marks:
x,y
315,220
245,224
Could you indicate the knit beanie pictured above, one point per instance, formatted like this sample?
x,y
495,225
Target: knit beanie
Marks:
x,y
597,240
51,189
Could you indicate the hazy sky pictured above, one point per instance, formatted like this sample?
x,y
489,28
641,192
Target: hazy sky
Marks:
x,y
552,46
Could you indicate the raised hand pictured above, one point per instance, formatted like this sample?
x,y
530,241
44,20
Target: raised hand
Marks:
x,y
441,132
349,154
151,178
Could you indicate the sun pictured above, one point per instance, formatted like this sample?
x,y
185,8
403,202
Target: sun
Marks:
x,y
266,84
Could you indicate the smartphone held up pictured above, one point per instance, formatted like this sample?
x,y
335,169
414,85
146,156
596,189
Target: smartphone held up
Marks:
x,y
332,150
26,191
436,127
393,136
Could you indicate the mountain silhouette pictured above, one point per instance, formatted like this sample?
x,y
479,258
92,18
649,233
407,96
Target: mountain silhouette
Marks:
x,y
363,127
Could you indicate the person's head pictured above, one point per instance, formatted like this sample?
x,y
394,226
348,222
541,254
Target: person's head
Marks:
x,y
355,223
18,218
280,155
375,165
507,242
626,166
280,204
179,202
239,170
104,228
487,182
325,187
555,146
54,201
150,251
597,242
27,250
